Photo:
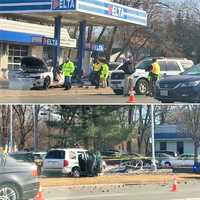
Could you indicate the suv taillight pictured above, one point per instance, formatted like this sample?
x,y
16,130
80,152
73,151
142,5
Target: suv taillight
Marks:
x,y
66,163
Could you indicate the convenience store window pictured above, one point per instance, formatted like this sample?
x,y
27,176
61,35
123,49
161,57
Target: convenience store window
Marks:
x,y
15,53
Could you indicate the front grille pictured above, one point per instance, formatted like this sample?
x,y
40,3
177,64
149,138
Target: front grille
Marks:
x,y
116,82
117,76
168,85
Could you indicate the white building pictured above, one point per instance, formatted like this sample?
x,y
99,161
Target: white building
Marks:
x,y
168,137
18,39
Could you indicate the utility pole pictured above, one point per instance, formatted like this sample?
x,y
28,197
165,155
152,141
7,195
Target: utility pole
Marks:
x,y
10,146
34,129
154,167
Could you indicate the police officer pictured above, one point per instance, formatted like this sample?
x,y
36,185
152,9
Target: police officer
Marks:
x,y
104,72
68,69
154,74
96,73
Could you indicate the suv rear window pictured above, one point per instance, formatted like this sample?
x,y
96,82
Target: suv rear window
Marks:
x,y
163,65
172,66
26,157
55,154
144,65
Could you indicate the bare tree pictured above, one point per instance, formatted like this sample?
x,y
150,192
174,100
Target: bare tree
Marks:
x,y
23,124
189,117
4,124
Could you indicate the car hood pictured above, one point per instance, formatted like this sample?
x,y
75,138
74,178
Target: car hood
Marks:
x,y
33,62
179,79
33,65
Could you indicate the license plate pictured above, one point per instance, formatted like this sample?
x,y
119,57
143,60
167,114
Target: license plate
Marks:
x,y
53,163
164,93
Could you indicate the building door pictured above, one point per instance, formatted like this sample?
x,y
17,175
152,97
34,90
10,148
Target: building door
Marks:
x,y
180,147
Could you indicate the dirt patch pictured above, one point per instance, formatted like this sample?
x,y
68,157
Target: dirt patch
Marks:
x,y
118,179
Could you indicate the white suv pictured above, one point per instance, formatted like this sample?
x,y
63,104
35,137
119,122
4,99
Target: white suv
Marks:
x,y
169,66
63,161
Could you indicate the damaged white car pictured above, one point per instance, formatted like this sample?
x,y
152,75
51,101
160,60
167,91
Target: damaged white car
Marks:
x,y
34,73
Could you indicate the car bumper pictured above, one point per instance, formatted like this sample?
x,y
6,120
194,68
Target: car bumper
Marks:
x,y
57,171
189,94
30,190
25,83
117,85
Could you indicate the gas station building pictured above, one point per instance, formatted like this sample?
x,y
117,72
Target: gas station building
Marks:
x,y
33,27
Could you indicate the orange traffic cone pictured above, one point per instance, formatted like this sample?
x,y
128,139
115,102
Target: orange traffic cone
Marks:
x,y
132,98
174,186
40,195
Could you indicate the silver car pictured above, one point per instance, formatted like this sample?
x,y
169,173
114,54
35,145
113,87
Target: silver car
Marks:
x,y
18,179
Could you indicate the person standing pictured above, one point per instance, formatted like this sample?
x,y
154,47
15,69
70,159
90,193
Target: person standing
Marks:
x,y
104,72
154,74
68,69
96,73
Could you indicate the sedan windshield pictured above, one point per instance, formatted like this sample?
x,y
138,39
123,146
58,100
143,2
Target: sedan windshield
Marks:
x,y
194,71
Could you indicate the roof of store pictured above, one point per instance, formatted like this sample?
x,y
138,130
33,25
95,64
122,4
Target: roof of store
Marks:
x,y
96,12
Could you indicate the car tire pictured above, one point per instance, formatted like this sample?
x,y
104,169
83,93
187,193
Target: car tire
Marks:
x,y
76,172
10,189
47,82
118,92
142,87
168,165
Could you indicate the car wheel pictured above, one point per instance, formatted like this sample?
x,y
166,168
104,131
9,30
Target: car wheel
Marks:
x,y
76,172
47,82
9,192
142,87
168,165
118,92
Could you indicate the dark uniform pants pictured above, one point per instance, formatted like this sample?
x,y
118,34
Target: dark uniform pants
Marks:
x,y
96,79
68,83
152,84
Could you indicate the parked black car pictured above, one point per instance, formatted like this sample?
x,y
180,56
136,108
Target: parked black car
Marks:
x,y
18,180
183,88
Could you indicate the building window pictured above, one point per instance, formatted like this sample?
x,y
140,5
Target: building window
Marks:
x,y
48,53
16,52
163,146
180,147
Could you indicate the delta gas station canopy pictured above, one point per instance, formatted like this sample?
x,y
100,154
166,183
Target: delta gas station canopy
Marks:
x,y
82,12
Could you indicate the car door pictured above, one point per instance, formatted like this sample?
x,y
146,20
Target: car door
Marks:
x,y
82,161
172,68
188,160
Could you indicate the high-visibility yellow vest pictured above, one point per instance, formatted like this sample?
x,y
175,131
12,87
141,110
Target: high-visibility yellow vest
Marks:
x,y
155,68
68,69
104,72
96,67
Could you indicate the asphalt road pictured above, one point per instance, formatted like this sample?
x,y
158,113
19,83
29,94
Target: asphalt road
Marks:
x,y
74,96
185,191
